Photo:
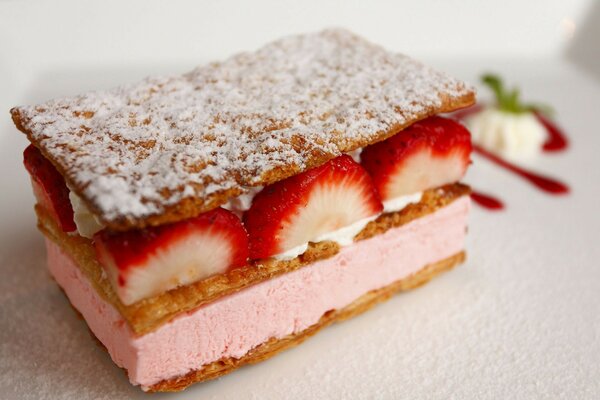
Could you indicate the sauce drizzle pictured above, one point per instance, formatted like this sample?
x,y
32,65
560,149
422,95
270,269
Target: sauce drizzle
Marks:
x,y
542,182
557,140
487,201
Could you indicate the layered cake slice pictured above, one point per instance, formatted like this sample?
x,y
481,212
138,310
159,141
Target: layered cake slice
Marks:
x,y
208,220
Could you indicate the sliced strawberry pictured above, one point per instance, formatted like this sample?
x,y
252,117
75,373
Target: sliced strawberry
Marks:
x,y
299,209
427,154
146,262
49,188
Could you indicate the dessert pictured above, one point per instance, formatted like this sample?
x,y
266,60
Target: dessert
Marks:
x,y
209,220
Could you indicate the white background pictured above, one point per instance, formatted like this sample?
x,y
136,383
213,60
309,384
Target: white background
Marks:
x,y
521,319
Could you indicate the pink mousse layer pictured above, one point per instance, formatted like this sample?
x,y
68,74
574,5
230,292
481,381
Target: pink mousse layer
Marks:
x,y
233,325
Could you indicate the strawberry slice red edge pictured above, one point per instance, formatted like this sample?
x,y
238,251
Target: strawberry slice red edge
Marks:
x,y
441,135
135,247
44,174
271,205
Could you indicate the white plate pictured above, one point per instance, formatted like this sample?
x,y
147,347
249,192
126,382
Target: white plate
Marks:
x,y
521,319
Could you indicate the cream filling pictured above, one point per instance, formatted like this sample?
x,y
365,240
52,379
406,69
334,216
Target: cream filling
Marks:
x,y
86,222
240,204
398,203
345,236
355,154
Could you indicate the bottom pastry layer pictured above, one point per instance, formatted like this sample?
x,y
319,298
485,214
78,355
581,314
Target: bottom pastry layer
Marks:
x,y
274,346
263,319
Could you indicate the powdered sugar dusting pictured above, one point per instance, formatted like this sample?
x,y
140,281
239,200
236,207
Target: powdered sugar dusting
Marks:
x,y
137,149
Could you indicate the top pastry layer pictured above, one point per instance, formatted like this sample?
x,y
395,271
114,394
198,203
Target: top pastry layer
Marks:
x,y
169,148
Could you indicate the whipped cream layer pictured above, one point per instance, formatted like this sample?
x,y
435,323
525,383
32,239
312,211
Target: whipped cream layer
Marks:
x,y
233,325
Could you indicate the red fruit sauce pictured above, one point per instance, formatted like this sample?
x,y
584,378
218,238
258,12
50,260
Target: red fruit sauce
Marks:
x,y
548,185
487,201
556,141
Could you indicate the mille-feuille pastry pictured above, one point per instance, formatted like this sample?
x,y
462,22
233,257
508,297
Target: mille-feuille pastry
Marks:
x,y
208,220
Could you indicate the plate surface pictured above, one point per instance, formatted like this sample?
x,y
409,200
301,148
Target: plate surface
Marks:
x,y
521,319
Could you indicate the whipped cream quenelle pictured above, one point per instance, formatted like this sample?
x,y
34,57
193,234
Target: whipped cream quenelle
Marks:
x,y
515,136
510,127
233,325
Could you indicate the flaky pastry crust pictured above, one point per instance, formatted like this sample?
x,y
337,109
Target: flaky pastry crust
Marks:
x,y
170,148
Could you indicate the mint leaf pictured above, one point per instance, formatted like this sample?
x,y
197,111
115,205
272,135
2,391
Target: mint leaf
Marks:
x,y
495,83
509,101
